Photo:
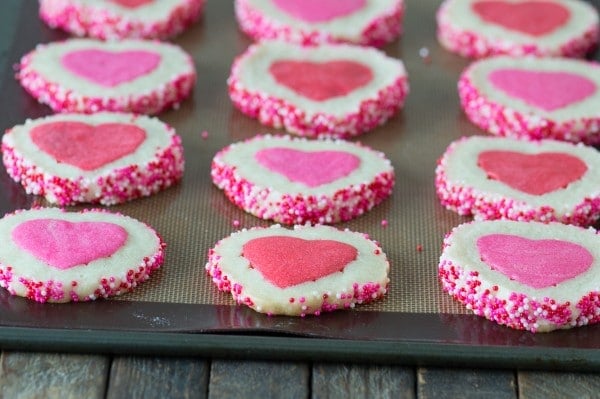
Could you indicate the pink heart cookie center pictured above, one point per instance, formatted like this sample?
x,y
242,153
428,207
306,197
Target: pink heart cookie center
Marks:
x,y
108,68
288,261
321,81
534,18
310,168
86,146
535,174
546,90
63,244
536,263
314,11
132,3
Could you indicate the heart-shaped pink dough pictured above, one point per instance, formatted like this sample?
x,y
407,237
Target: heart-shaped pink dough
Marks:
x,y
310,168
86,146
535,174
287,261
546,90
108,68
536,263
321,81
132,3
314,11
63,244
535,18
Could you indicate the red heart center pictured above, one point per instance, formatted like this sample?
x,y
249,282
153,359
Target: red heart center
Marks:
x,y
288,261
132,3
63,244
314,11
310,168
535,174
536,263
321,81
535,18
108,68
546,90
86,146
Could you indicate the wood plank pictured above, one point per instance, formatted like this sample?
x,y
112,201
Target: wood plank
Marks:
x,y
45,375
157,377
440,383
258,379
542,384
362,381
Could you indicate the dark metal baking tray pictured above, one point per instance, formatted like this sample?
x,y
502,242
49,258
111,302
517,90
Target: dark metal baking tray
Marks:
x,y
415,324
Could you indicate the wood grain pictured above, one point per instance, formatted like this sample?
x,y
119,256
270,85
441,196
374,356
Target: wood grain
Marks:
x,y
254,379
538,384
442,383
44,375
142,377
362,381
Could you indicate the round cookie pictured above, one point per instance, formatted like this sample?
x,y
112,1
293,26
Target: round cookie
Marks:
x,y
294,180
307,270
528,276
49,255
501,178
549,98
84,75
366,22
121,19
338,90
105,158
481,28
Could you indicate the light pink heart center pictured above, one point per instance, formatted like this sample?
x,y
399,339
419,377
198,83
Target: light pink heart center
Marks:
x,y
86,146
132,3
287,261
546,90
535,174
321,81
536,263
314,11
534,18
63,244
310,168
108,68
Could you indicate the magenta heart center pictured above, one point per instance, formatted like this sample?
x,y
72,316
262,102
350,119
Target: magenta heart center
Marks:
x,y
546,90
132,3
310,168
86,146
63,244
535,18
535,174
321,81
108,68
288,261
314,11
536,263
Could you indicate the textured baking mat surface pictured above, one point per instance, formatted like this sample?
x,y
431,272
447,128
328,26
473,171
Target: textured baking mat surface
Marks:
x,y
194,215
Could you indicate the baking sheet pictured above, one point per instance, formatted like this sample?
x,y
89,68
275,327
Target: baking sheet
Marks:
x,y
180,299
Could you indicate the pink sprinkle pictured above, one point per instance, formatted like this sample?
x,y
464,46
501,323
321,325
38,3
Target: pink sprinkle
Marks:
x,y
384,223
236,223
204,135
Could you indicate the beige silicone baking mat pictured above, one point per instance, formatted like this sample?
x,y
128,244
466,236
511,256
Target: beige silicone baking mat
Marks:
x,y
194,215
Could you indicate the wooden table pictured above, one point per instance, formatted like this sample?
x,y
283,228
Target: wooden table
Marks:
x,y
59,375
